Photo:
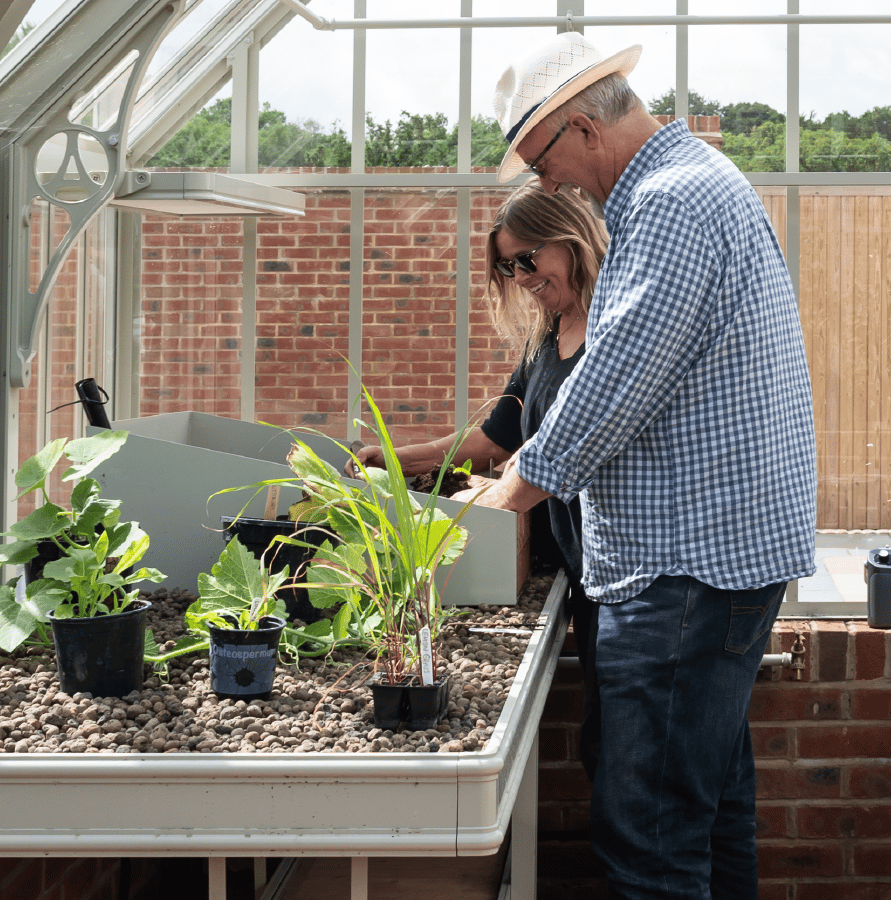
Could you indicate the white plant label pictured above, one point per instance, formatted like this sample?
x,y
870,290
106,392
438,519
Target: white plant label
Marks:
x,y
426,656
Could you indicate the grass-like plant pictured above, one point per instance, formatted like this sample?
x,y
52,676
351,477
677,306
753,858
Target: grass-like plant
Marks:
x,y
382,570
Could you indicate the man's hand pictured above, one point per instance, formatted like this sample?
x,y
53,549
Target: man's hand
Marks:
x,y
509,492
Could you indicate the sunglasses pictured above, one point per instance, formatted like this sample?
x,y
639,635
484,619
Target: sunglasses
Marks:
x,y
523,260
533,166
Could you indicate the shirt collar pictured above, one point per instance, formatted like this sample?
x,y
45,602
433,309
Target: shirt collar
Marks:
x,y
642,162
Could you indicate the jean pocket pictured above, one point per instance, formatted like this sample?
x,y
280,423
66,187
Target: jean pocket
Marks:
x,y
752,613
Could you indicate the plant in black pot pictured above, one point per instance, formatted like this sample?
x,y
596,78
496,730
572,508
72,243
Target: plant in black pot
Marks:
x,y
260,537
79,563
382,572
239,620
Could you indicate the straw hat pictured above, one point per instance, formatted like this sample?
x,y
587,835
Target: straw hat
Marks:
x,y
536,86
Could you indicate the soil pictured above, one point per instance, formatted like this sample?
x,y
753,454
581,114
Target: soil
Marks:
x,y
452,482
321,706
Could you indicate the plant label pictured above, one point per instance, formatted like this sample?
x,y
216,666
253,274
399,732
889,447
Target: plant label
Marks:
x,y
271,502
426,656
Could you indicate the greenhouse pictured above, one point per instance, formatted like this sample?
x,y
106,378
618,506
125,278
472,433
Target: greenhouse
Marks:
x,y
258,268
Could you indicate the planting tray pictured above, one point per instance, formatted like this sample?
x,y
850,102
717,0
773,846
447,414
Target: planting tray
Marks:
x,y
172,463
312,804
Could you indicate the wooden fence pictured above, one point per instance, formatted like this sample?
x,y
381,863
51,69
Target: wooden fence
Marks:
x,y
845,282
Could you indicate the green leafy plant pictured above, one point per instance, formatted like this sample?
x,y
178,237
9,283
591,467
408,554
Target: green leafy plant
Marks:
x,y
237,593
382,571
92,555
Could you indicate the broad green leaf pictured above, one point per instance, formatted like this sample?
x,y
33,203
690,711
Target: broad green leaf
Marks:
x,y
46,521
43,596
235,579
35,470
16,623
17,553
341,622
87,453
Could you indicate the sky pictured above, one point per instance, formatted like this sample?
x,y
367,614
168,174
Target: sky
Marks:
x,y
306,73
843,67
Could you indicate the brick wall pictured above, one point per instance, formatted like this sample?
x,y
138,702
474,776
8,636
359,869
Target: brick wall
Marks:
x,y
191,329
706,127
822,747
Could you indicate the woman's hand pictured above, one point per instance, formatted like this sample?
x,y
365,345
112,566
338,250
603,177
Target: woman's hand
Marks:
x,y
371,457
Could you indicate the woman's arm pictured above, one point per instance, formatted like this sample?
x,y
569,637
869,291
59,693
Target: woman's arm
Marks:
x,y
417,459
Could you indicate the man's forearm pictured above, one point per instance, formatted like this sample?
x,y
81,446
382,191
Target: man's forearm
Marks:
x,y
509,492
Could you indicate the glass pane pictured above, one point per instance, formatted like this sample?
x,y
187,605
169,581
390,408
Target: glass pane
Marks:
x,y
307,75
739,73
846,124
844,303
190,338
303,317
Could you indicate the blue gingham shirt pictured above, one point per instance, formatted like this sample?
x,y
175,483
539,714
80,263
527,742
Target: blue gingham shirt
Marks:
x,y
688,424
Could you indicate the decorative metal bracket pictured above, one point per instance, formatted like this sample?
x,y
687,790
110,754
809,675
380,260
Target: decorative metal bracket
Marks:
x,y
73,189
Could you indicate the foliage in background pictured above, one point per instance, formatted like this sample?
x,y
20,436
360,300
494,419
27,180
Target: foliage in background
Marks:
x,y
415,140
753,138
24,29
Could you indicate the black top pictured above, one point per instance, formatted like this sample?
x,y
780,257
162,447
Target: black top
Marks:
x,y
515,418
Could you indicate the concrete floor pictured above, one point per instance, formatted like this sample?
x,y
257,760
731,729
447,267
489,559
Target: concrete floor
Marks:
x,y
839,576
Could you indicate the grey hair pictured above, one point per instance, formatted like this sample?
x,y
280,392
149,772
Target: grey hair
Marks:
x,y
608,100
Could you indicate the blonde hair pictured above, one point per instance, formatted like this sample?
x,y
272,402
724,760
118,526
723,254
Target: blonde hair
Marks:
x,y
535,217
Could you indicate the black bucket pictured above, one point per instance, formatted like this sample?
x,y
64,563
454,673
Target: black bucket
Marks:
x,y
102,655
257,535
242,663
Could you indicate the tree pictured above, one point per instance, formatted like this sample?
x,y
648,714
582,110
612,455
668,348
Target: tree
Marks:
x,y
487,143
205,140
697,105
763,149
24,29
741,118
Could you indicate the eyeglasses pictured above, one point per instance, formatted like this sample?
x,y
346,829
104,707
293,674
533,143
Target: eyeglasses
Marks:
x,y
523,260
533,166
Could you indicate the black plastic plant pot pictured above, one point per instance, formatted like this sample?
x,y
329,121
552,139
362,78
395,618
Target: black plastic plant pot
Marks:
x,y
242,663
390,701
427,704
257,535
101,655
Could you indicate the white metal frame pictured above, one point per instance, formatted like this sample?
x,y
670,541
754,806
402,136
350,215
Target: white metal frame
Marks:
x,y
176,91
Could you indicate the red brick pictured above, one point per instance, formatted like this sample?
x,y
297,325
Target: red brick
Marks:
x,y
832,643
871,704
844,741
775,891
874,860
799,860
567,782
770,741
844,821
773,821
870,652
870,781
846,889
792,702
778,781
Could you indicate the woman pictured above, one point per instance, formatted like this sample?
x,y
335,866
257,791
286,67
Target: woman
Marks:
x,y
543,256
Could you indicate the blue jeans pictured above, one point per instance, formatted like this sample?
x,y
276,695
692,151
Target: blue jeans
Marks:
x,y
673,800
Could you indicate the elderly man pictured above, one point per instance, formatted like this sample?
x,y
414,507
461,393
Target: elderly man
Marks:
x,y
687,428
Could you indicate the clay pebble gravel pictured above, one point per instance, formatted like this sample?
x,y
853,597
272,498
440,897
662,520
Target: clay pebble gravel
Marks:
x,y
322,706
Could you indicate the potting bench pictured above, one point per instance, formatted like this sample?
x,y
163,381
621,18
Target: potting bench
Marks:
x,y
254,805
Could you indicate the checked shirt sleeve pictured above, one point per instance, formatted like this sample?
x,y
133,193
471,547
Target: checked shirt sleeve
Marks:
x,y
655,301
